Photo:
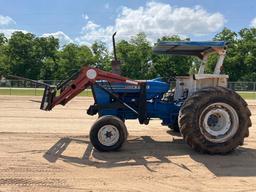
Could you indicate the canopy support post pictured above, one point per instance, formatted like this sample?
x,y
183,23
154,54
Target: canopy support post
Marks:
x,y
202,65
222,54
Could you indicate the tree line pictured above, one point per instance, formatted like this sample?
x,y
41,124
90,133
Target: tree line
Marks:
x,y
27,55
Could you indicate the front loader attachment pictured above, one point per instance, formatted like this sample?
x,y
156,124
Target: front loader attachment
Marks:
x,y
49,95
51,91
66,90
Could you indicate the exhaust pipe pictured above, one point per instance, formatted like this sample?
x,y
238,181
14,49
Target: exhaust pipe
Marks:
x,y
116,64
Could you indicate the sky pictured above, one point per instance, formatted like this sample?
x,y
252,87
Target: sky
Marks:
x,y
84,21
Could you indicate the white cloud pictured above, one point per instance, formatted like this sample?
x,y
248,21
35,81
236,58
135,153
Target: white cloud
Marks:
x,y
253,22
85,16
63,38
8,32
5,26
90,26
6,20
156,20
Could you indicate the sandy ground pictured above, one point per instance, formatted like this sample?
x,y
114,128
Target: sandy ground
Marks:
x,y
50,151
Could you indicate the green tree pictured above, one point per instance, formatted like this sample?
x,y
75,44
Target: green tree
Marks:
x,y
27,54
21,56
232,61
72,58
135,56
4,66
3,39
240,62
247,54
34,57
102,57
49,55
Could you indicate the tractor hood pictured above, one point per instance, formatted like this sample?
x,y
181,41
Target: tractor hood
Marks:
x,y
190,48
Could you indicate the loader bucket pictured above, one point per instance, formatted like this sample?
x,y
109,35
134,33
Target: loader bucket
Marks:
x,y
47,100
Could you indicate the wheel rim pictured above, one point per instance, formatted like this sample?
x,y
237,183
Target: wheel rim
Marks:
x,y
108,135
219,122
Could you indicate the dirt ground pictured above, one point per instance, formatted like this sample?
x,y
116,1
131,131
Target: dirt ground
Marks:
x,y
50,151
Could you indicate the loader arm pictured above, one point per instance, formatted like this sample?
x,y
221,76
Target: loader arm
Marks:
x,y
86,77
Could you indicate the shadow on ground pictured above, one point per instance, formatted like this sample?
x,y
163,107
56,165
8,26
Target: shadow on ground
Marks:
x,y
140,150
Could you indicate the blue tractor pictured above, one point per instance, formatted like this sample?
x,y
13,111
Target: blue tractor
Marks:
x,y
211,118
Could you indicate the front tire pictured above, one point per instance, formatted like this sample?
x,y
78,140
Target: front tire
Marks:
x,y
108,133
214,120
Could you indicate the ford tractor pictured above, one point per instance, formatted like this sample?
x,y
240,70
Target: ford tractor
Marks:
x,y
211,118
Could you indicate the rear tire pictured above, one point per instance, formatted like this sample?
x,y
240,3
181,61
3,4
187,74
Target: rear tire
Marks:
x,y
108,133
214,120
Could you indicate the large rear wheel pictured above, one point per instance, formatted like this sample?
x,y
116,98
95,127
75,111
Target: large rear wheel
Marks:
x,y
214,120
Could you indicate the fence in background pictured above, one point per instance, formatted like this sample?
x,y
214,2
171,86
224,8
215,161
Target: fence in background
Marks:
x,y
242,86
21,87
24,84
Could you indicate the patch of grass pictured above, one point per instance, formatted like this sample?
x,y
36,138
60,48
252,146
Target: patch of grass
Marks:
x,y
5,91
247,95
88,93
